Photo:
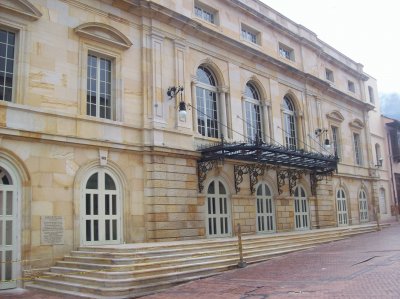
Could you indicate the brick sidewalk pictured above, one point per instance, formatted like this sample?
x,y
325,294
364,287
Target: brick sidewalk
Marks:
x,y
365,266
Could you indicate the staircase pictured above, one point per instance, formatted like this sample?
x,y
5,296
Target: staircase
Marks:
x,y
133,270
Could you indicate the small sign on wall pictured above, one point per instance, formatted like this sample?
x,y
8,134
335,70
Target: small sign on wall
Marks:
x,y
52,230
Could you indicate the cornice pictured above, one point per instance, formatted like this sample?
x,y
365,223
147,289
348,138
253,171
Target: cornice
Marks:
x,y
190,26
301,39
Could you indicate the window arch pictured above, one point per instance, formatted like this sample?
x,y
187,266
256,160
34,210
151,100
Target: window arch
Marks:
x,y
252,112
341,204
289,123
207,106
363,205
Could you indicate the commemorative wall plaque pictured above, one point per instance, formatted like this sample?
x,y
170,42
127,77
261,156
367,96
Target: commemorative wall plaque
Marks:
x,y
52,230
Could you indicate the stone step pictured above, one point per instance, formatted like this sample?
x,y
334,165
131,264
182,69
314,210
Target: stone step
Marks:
x,y
112,291
92,263
193,245
132,270
111,259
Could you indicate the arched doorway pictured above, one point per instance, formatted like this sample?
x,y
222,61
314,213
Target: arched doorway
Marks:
x,y
265,210
341,204
9,228
218,220
101,202
301,212
363,205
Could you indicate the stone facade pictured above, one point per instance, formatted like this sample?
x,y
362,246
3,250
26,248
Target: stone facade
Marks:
x,y
126,137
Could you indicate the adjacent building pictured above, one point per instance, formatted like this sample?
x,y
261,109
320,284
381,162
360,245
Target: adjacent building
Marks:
x,y
139,121
393,139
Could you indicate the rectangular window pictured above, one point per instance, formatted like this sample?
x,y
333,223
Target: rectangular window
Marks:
x,y
357,149
286,52
371,95
250,35
350,86
7,49
336,141
99,96
204,13
329,75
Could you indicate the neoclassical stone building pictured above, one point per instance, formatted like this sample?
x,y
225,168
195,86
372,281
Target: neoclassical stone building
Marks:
x,y
93,134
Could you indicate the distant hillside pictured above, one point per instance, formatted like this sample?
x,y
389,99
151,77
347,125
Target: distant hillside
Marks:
x,y
390,105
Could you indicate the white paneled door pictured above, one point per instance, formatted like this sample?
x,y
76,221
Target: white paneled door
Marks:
x,y
265,210
301,213
101,210
363,205
218,220
8,231
341,207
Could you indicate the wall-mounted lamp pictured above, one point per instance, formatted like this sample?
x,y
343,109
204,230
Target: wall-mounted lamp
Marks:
x,y
172,92
379,162
318,132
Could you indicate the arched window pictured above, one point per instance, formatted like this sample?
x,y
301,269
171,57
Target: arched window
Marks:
x,y
363,205
289,123
341,207
378,155
265,209
218,222
253,113
207,107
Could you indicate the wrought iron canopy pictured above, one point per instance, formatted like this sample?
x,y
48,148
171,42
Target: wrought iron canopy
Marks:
x,y
264,153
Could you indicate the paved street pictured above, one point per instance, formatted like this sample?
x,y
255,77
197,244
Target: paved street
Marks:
x,y
365,266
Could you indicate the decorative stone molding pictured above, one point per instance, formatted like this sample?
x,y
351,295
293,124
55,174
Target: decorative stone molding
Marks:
x,y
194,80
21,8
335,116
356,124
103,33
223,89
266,103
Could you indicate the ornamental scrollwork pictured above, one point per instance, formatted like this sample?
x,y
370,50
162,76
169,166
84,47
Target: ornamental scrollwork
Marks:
x,y
202,169
239,171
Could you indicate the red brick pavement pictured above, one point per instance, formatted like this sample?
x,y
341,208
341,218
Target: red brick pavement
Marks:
x,y
365,266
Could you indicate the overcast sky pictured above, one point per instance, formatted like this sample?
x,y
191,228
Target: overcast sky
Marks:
x,y
367,31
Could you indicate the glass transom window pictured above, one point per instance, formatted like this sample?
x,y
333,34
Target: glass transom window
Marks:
x,y
357,149
286,52
253,113
7,48
99,97
289,124
207,108
249,35
204,14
